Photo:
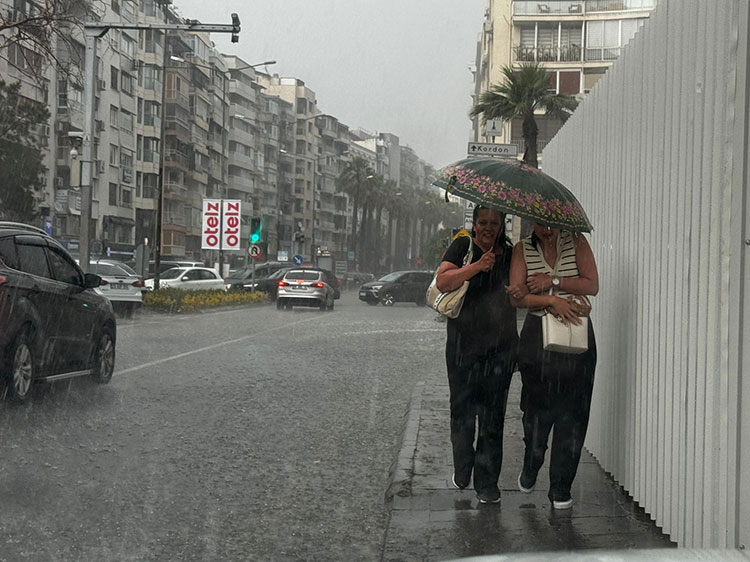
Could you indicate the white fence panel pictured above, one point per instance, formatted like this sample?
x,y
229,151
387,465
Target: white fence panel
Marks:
x,y
657,154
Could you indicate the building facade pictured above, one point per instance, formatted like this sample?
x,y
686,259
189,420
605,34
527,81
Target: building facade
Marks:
x,y
575,40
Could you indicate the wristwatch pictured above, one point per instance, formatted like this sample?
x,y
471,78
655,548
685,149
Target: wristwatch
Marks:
x,y
556,282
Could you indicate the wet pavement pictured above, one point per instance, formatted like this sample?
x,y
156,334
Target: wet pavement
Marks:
x,y
431,520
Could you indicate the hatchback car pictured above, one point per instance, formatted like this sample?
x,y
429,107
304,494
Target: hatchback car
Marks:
x,y
304,287
399,286
189,279
54,324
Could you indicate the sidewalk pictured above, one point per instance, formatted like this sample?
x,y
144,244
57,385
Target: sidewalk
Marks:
x,y
431,520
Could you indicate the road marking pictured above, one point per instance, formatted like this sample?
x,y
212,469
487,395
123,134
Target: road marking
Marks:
x,y
207,348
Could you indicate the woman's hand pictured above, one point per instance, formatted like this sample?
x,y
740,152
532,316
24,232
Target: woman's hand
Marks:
x,y
562,308
517,291
539,282
487,261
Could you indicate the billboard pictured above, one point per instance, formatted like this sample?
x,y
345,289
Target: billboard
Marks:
x,y
221,224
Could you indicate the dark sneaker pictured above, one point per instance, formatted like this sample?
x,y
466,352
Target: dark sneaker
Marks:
x,y
489,497
526,484
459,484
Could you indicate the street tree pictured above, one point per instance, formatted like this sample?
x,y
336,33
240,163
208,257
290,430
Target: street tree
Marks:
x,y
21,168
353,181
520,95
45,31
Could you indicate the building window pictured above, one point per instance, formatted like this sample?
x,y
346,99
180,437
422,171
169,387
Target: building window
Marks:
x,y
24,59
114,155
113,187
127,121
126,83
113,78
114,116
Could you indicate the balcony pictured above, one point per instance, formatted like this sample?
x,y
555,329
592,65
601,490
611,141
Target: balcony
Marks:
x,y
570,53
549,8
619,5
176,157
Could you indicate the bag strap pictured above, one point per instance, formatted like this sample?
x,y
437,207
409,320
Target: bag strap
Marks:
x,y
469,253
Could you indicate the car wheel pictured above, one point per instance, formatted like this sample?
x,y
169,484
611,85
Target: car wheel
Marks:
x,y
323,305
330,306
279,304
372,303
104,357
21,375
388,299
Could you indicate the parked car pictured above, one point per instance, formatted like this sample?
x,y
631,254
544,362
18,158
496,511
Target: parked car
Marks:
x,y
189,279
123,289
268,284
54,324
241,280
399,286
164,265
305,287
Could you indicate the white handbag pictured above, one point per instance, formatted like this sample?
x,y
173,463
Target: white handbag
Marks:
x,y
449,304
565,337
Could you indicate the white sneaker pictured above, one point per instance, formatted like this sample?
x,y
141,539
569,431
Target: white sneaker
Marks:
x,y
567,504
455,485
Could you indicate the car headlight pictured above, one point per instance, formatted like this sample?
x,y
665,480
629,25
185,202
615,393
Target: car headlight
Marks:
x,y
376,287
227,286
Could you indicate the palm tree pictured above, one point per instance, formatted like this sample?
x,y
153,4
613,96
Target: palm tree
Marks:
x,y
523,92
353,181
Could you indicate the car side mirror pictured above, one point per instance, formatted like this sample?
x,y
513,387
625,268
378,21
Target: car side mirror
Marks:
x,y
91,281
183,279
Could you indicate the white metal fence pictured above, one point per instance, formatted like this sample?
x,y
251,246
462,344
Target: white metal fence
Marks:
x,y
658,155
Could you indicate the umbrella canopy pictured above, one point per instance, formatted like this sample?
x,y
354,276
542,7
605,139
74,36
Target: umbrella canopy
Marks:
x,y
512,187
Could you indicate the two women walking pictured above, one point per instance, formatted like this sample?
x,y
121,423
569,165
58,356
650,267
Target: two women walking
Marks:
x,y
483,350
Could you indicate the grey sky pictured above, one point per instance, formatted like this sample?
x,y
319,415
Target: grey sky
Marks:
x,y
398,66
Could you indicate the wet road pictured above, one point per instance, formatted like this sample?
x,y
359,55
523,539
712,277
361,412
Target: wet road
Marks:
x,y
245,434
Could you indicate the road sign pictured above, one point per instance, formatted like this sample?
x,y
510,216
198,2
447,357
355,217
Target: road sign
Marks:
x,y
493,128
491,149
255,251
468,219
298,260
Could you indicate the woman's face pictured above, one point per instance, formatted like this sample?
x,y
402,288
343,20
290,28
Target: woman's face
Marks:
x,y
545,232
487,226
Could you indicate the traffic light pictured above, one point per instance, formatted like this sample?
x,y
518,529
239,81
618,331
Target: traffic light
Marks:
x,y
235,28
256,230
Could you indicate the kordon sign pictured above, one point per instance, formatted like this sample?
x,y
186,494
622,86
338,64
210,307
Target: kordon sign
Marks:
x,y
221,224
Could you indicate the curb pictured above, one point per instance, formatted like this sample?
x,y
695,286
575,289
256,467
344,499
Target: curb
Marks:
x,y
402,468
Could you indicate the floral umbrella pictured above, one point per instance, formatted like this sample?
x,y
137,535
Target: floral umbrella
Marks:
x,y
514,188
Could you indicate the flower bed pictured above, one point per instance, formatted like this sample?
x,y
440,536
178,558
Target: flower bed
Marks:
x,y
177,300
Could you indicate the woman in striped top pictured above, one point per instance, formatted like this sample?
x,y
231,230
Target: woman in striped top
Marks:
x,y
546,268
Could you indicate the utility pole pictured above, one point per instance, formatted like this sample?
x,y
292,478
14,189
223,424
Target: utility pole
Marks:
x,y
92,32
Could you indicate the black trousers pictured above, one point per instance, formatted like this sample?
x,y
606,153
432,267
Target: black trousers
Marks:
x,y
556,396
479,391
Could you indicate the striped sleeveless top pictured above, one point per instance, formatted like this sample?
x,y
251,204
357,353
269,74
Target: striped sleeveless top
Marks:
x,y
565,266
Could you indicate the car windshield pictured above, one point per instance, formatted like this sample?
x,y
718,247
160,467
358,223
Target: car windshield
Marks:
x,y
391,276
128,269
173,273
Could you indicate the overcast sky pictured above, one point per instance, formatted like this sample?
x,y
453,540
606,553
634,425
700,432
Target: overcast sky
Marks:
x,y
397,66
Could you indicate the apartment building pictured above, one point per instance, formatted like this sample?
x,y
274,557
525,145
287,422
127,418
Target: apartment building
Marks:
x,y
575,40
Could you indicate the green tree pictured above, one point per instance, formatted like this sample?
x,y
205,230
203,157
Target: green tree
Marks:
x,y
21,168
520,95
353,181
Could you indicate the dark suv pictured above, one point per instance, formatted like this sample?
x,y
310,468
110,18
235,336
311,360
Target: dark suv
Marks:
x,y
53,324
399,286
